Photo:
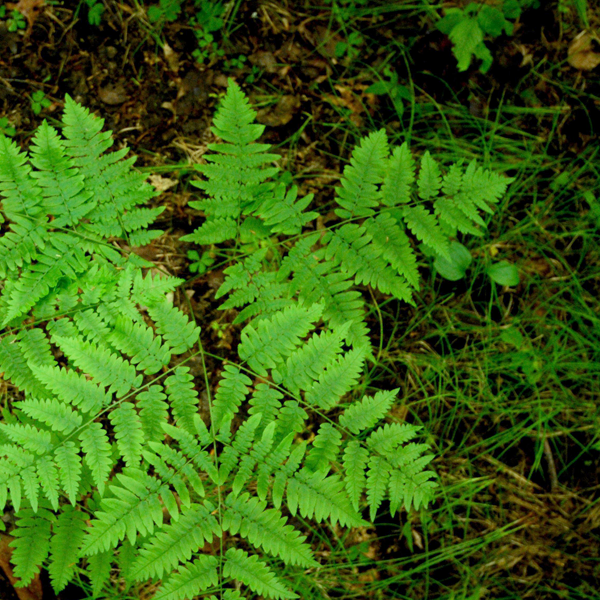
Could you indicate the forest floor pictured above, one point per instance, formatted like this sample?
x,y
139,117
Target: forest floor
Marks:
x,y
505,380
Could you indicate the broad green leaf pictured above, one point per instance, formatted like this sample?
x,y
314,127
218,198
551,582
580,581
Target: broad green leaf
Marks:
x,y
465,36
503,273
455,268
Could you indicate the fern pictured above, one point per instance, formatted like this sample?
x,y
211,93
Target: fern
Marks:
x,y
68,533
32,543
255,574
107,458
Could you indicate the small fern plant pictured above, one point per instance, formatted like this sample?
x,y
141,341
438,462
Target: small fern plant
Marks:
x,y
106,458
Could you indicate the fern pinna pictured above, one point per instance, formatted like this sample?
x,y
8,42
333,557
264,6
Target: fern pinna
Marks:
x,y
104,456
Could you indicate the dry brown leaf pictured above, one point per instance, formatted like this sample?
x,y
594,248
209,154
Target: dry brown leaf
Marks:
x,y
264,60
172,58
281,113
581,52
350,100
162,184
34,590
113,95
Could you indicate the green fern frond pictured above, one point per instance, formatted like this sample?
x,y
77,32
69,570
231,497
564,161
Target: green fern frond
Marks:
x,y
68,462
366,413
128,433
20,246
176,543
109,369
316,495
65,197
133,509
193,448
60,258
98,570
393,245
316,281
93,326
111,418
355,462
236,180
138,341
153,412
483,187
453,219
359,192
425,226
152,288
48,478
388,437
378,475
284,213
97,453
239,275
183,398
214,231
177,330
56,415
35,347
350,248
452,180
31,484
85,138
15,368
305,365
233,121
255,574
325,448
399,178
429,181
116,189
257,455
265,400
339,378
239,447
31,544
28,437
232,391
22,196
291,418
266,528
190,580
274,462
137,220
71,387
416,490
274,339
64,546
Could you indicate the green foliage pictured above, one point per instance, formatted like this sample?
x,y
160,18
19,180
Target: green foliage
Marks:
x,y
95,11
466,27
205,21
455,266
165,9
6,128
15,21
503,273
39,102
105,456
390,86
350,47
